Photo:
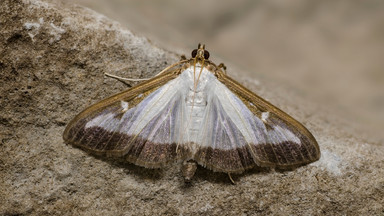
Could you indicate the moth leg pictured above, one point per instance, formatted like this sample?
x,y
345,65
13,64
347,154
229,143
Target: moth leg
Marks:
x,y
222,66
182,57
230,178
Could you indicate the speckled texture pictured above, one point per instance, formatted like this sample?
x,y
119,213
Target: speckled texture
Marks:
x,y
52,61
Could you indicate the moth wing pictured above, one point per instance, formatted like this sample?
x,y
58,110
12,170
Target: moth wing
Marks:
x,y
139,123
241,130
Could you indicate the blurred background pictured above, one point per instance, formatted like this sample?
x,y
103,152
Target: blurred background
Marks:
x,y
331,51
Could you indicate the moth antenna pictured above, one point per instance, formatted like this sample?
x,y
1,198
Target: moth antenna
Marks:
x,y
144,79
201,70
171,66
125,79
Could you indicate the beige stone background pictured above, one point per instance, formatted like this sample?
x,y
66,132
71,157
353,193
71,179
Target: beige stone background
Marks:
x,y
317,60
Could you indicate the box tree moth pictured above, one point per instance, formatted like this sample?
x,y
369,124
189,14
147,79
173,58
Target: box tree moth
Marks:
x,y
193,112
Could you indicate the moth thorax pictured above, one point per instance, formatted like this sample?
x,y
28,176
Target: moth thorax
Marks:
x,y
189,169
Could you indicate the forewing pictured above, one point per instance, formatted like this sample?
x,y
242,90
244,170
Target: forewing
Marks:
x,y
242,130
140,123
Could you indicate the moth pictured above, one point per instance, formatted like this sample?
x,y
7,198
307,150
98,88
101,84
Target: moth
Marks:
x,y
193,112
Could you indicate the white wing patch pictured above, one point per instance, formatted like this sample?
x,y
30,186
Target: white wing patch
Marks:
x,y
212,116
152,106
159,111
240,123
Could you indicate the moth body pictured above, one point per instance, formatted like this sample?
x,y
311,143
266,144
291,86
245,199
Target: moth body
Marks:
x,y
193,112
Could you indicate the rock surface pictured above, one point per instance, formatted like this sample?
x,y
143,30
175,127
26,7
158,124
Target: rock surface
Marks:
x,y
52,61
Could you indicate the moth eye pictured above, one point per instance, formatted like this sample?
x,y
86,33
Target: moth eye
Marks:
x,y
206,54
194,53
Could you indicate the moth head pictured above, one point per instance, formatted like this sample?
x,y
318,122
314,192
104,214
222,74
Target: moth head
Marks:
x,y
200,53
